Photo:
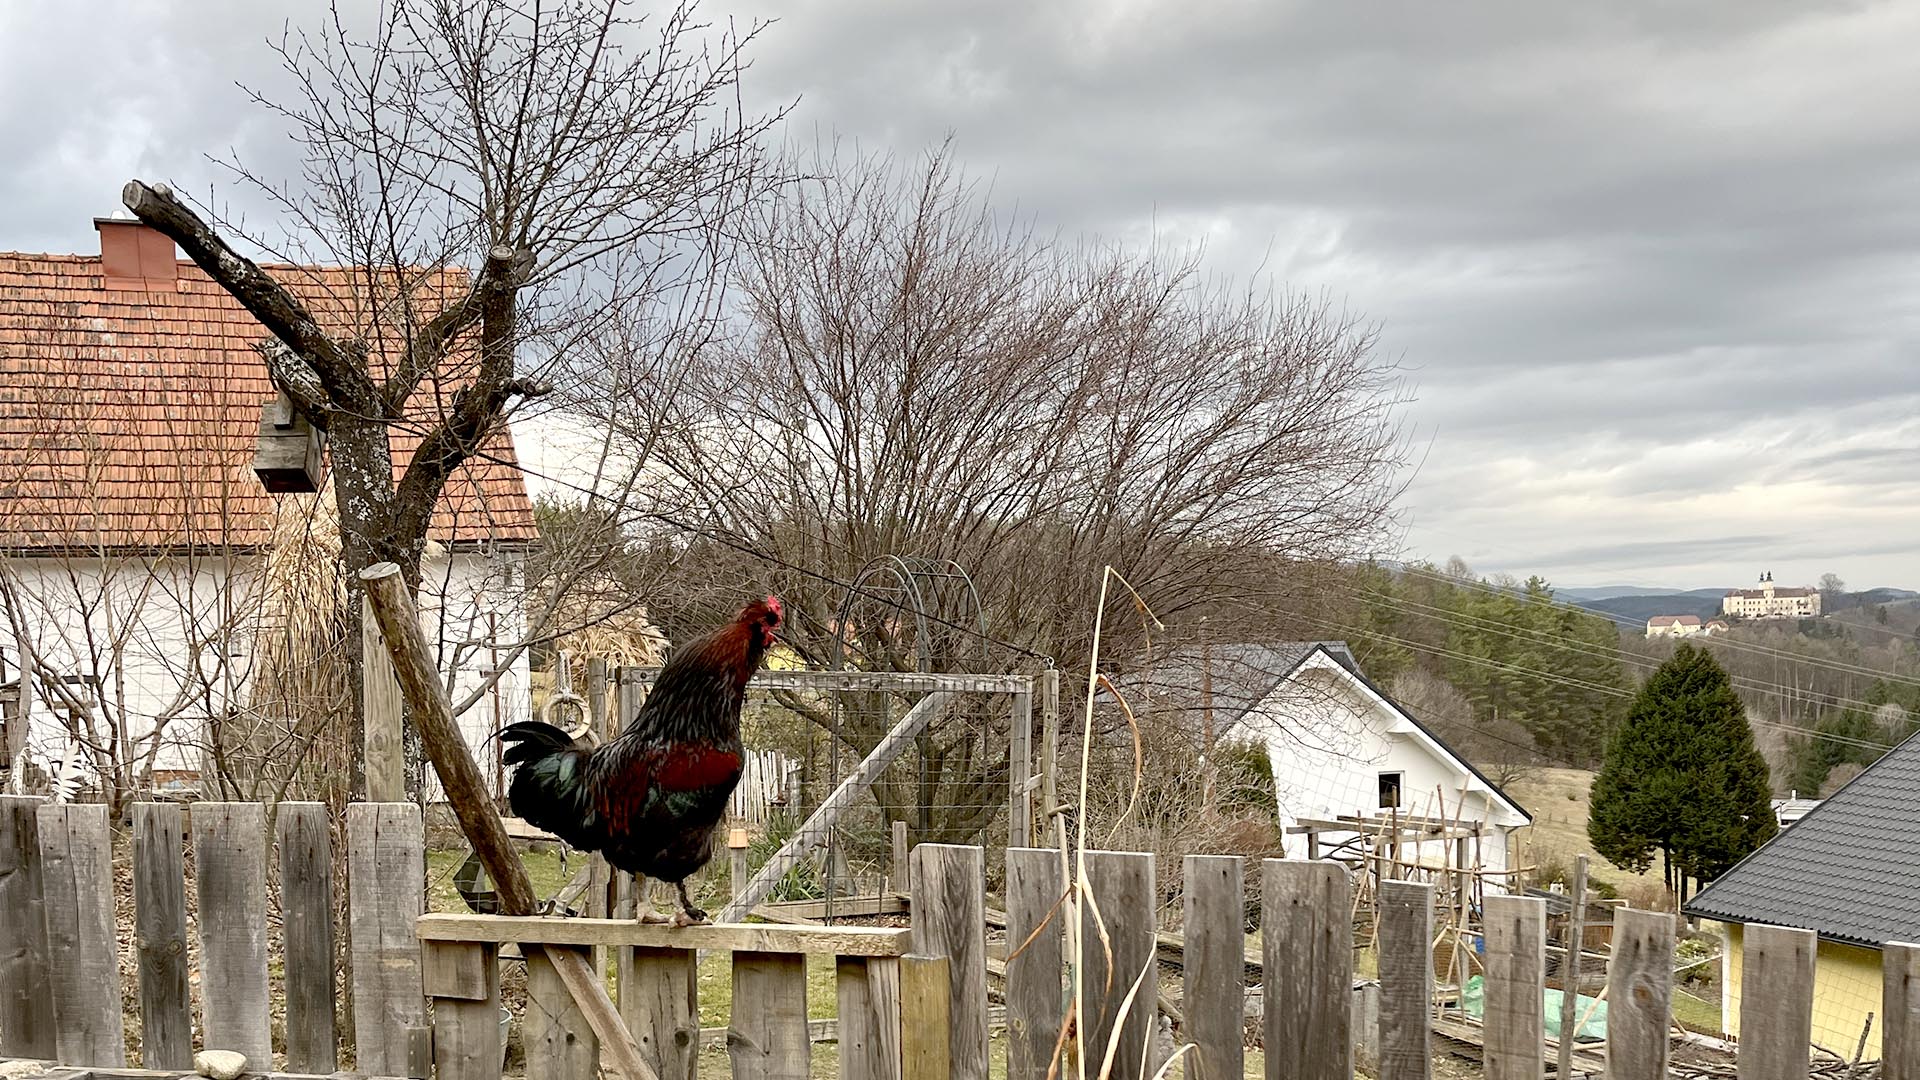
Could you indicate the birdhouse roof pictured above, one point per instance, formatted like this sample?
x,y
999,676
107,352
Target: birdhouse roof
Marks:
x,y
131,395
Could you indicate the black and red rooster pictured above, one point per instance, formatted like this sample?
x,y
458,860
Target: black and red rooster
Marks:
x,y
651,799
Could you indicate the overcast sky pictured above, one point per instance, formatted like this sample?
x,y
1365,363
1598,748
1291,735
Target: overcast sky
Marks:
x,y
1653,267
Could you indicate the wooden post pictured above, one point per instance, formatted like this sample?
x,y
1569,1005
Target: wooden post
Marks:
x,y
1049,690
76,868
1406,979
26,1008
160,932
883,997
1020,773
463,978
926,1034
1306,936
230,872
1214,959
1516,965
467,794
306,920
1900,1011
902,867
558,1040
1122,883
1036,945
1639,996
599,899
767,1038
660,1004
1776,1003
737,861
386,766
855,1030
949,919
386,886
1570,966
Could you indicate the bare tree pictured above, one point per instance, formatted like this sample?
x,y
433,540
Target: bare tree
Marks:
x,y
914,376
508,182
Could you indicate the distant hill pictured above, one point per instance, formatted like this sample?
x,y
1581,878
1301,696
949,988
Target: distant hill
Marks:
x,y
1641,608
1609,592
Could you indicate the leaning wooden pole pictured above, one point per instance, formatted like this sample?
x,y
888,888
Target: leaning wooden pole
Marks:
x,y
467,793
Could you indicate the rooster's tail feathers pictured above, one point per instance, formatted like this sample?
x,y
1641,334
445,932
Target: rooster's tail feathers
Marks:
x,y
549,788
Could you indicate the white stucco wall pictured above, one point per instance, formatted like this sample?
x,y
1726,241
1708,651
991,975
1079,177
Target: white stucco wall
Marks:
x,y
1329,740
170,642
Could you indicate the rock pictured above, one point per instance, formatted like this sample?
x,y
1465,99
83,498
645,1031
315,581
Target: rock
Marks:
x,y
220,1064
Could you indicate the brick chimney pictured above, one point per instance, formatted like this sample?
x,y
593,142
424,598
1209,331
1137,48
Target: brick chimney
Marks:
x,y
136,257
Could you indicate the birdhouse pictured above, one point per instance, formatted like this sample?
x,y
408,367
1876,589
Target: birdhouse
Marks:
x,y
290,455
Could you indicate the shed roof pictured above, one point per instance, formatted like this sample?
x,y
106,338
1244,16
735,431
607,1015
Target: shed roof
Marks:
x,y
130,410
1849,870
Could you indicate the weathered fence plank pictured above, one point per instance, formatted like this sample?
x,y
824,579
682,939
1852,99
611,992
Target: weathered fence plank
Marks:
x,y
160,933
1036,944
1900,1011
1516,982
1020,772
767,1038
1123,891
26,1009
1639,996
926,999
463,979
949,919
386,884
306,927
1406,979
1214,956
1776,1003
855,1031
76,875
883,997
659,1002
558,1039
230,874
1306,969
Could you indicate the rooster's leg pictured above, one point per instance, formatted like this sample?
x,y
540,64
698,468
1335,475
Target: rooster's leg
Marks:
x,y
688,915
643,902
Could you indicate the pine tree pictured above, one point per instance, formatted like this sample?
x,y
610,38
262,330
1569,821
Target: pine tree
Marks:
x,y
1682,776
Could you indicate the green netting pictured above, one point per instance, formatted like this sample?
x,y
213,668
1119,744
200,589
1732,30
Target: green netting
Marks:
x,y
1589,1013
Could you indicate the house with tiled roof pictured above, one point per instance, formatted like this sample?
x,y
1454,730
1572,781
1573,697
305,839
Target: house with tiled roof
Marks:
x,y
1849,870
1339,746
134,530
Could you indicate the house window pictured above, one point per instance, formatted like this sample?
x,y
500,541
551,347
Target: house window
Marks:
x,y
1389,790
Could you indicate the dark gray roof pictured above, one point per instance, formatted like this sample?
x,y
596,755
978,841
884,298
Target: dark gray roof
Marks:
x,y
1849,870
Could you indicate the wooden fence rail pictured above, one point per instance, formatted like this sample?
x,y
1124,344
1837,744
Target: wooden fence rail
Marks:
x,y
911,1003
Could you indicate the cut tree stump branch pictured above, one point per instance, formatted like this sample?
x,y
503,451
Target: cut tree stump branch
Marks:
x,y
466,792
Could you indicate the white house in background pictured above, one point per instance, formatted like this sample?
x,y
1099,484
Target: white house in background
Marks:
x,y
1673,626
133,531
1338,745
1771,602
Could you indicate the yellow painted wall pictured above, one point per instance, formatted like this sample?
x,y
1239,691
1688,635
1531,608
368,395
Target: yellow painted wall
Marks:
x,y
1846,987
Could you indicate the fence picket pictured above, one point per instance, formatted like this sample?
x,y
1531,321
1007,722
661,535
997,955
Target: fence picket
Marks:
x,y
1406,979
1639,995
1214,987
463,977
658,1001
768,1037
558,1039
76,866
230,876
26,1009
949,919
1036,927
1122,885
1515,985
306,926
1900,1009
1306,934
1776,1003
386,883
160,933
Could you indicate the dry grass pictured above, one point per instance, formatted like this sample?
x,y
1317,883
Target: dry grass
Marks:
x,y
1558,800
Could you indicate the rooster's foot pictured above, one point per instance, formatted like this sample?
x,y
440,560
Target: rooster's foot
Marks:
x,y
691,917
650,917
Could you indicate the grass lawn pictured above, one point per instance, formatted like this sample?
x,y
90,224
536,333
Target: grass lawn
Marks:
x,y
1697,1014
1557,799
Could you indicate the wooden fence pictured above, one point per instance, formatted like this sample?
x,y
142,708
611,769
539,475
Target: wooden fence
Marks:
x,y
912,1003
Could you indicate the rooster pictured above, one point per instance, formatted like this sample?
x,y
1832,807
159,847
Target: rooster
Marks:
x,y
652,797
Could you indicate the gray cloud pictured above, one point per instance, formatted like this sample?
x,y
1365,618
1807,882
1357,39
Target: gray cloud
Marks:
x,y
1654,267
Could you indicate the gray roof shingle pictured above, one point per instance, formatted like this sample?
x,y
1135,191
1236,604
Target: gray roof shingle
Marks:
x,y
1849,870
